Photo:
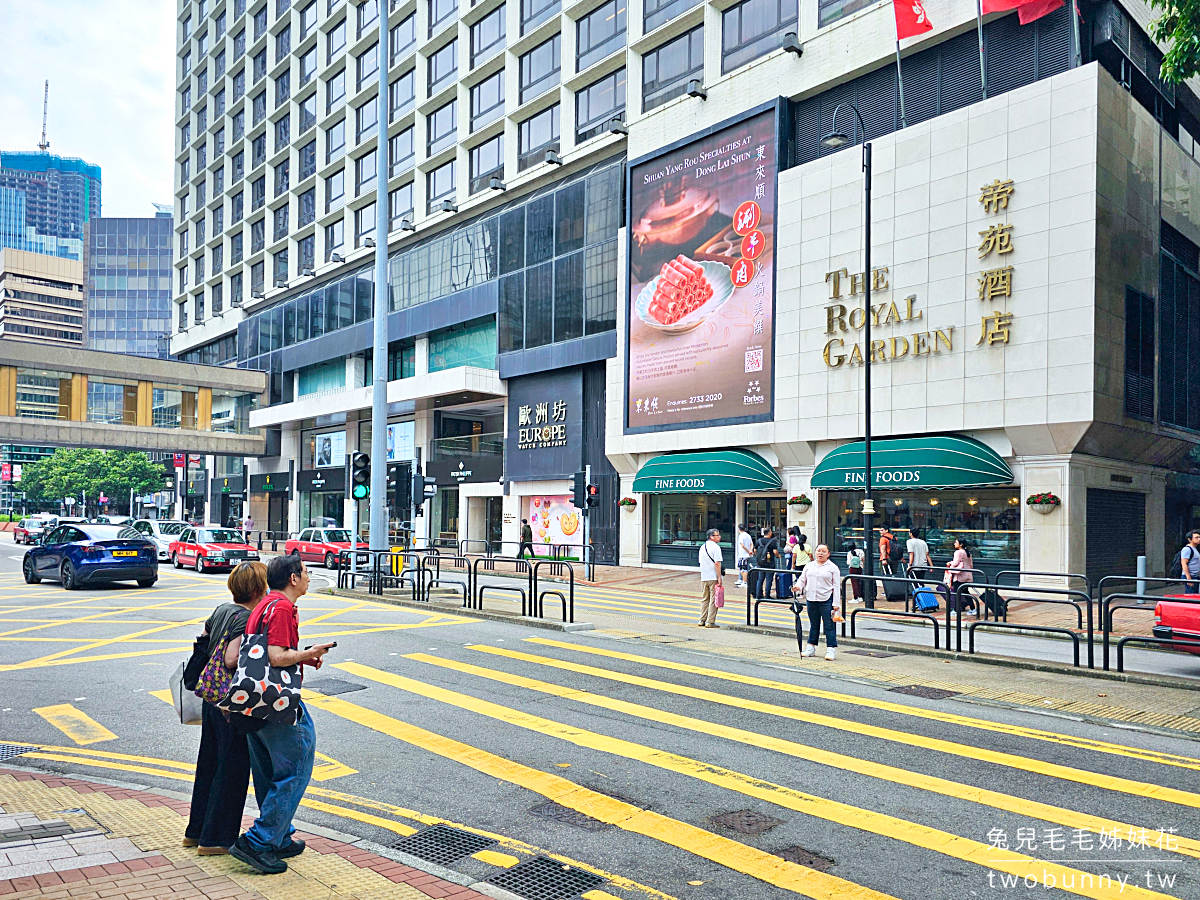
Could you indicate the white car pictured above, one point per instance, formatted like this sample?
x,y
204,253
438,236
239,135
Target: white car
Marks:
x,y
162,532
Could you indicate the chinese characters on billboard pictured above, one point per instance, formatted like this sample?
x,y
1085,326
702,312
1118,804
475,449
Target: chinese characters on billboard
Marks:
x,y
702,280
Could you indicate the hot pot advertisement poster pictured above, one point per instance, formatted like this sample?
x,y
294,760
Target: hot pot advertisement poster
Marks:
x,y
701,280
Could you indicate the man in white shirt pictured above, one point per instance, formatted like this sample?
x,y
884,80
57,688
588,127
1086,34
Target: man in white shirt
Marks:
x,y
710,577
918,550
819,584
745,551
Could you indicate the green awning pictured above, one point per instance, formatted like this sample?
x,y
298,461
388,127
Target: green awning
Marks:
x,y
707,472
933,462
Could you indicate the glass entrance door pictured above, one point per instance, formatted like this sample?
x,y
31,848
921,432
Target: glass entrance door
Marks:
x,y
494,518
764,511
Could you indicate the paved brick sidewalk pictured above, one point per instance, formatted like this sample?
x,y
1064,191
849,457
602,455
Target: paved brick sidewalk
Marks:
x,y
63,839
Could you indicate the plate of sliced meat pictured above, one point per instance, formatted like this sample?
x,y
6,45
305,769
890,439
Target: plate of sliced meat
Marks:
x,y
683,295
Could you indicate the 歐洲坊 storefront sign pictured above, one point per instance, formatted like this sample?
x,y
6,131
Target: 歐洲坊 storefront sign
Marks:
x,y
321,480
465,470
545,426
700,337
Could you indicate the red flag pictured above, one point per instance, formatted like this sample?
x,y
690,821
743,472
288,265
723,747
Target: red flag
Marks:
x,y
1027,10
911,19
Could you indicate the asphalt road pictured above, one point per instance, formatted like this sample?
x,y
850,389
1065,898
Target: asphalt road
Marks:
x,y
626,757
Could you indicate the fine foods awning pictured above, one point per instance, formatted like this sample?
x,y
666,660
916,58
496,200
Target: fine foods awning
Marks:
x,y
706,472
933,462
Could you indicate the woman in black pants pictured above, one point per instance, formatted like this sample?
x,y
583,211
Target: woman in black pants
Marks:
x,y
223,764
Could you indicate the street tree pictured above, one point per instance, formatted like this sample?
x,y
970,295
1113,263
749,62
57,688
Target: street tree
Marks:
x,y
1178,27
70,472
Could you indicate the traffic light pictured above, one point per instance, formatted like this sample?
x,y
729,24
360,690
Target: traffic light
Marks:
x,y
430,487
579,490
400,482
417,495
593,496
360,476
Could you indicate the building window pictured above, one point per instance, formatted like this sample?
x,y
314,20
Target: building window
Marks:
x,y
308,66
239,45
335,41
186,98
283,43
260,64
283,89
257,275
219,65
183,205
540,68
235,289
308,113
185,135
280,230
468,344
308,207
235,249
185,170
1139,355
307,249
335,89
201,120
201,159
440,186
442,127
400,205
308,19
659,12
183,320
368,14
199,232
1179,320
282,178
217,259
258,235
201,190
367,64
279,269
366,168
335,140
400,151
753,29
487,101
308,159
217,298
202,44
364,224
487,160
829,11
366,119
440,11
260,22
598,104
403,38
236,206
218,220
283,132
535,136
239,85
600,33
259,107
487,36
667,70
442,67
187,65
239,125
187,28
335,189
335,237
258,151
535,12
198,302
401,94
183,243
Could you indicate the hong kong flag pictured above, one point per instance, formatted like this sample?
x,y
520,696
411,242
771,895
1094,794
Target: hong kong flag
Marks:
x,y
911,19
1027,10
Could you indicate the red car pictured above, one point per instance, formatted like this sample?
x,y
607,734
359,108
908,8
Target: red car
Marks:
x,y
1179,620
210,548
321,545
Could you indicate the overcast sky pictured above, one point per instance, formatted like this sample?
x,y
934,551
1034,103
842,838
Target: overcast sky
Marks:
x,y
111,70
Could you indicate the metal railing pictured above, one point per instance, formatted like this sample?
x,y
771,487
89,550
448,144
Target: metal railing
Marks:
x,y
1082,605
488,564
538,597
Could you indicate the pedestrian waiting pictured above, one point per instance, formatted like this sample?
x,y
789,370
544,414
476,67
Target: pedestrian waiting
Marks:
x,y
818,584
711,570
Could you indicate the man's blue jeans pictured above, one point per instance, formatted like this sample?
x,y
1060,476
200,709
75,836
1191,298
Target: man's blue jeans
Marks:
x,y
281,759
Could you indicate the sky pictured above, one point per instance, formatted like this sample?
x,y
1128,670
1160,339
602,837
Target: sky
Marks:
x,y
111,65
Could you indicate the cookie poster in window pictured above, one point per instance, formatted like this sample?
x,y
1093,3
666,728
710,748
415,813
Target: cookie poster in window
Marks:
x,y
702,280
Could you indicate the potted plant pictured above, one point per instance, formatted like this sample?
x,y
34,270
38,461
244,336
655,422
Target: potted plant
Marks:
x,y
1044,503
627,502
800,501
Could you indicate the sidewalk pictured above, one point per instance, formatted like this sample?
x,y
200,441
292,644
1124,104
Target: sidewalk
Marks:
x,y
64,839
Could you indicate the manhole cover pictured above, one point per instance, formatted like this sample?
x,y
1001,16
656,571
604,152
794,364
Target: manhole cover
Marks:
x,y
878,654
556,812
803,857
543,878
746,821
8,751
331,686
920,690
441,844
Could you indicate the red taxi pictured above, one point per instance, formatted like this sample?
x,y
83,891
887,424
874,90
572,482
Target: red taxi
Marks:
x,y
1179,620
321,545
210,548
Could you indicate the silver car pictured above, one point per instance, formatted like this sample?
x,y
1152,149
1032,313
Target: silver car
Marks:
x,y
162,532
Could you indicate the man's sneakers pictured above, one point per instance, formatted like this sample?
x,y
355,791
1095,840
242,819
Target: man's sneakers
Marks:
x,y
295,848
831,653
810,650
263,860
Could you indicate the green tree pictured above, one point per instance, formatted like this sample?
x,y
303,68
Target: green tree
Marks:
x,y
72,471
1179,27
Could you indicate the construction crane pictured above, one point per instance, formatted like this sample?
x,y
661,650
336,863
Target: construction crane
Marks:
x,y
45,144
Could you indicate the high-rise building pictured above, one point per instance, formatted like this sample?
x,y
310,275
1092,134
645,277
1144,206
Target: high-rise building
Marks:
x,y
46,201
128,266
41,298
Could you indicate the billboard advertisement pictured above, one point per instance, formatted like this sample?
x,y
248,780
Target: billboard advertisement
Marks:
x,y
701,304
555,521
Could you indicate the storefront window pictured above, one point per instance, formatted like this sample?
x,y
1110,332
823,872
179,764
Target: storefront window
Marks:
x,y
989,519
445,518
321,510
680,522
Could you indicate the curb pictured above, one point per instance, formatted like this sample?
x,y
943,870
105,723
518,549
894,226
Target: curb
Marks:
x,y
528,621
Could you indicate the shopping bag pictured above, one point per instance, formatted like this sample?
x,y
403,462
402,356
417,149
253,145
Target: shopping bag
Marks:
x,y
718,595
188,706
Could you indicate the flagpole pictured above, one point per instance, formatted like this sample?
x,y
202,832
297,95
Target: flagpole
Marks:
x,y
900,84
982,66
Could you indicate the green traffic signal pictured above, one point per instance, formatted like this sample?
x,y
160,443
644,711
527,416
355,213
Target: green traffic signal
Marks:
x,y
360,491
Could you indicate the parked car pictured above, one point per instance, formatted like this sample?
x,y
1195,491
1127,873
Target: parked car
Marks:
x,y
1178,620
321,545
30,530
205,548
162,532
113,520
76,554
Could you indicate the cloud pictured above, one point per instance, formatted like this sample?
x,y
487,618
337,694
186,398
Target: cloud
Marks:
x,y
111,65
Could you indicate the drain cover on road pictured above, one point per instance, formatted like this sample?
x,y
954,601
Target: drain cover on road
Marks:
x,y
746,821
543,878
331,686
8,751
803,857
878,654
929,693
442,844
556,812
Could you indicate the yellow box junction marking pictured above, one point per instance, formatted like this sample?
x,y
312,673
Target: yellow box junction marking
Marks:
x,y
328,768
913,833
75,724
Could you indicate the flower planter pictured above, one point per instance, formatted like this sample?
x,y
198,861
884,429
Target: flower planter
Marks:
x,y
1044,508
802,508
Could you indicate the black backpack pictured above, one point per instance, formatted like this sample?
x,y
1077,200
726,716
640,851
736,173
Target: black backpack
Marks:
x,y
895,551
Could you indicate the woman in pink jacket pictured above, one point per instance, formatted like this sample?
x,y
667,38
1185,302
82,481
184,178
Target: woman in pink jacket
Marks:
x,y
958,571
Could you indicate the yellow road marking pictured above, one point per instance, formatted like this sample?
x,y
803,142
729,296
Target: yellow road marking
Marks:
x,y
731,854
366,818
496,858
75,724
328,768
108,642
1082,743
86,659
164,695
923,836
1007,802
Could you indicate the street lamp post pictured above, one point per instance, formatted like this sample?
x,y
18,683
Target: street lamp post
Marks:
x,y
835,140
378,502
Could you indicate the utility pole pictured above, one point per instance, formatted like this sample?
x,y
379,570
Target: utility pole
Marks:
x,y
379,503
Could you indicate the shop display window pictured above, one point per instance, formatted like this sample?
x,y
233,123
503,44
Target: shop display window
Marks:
x,y
683,520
